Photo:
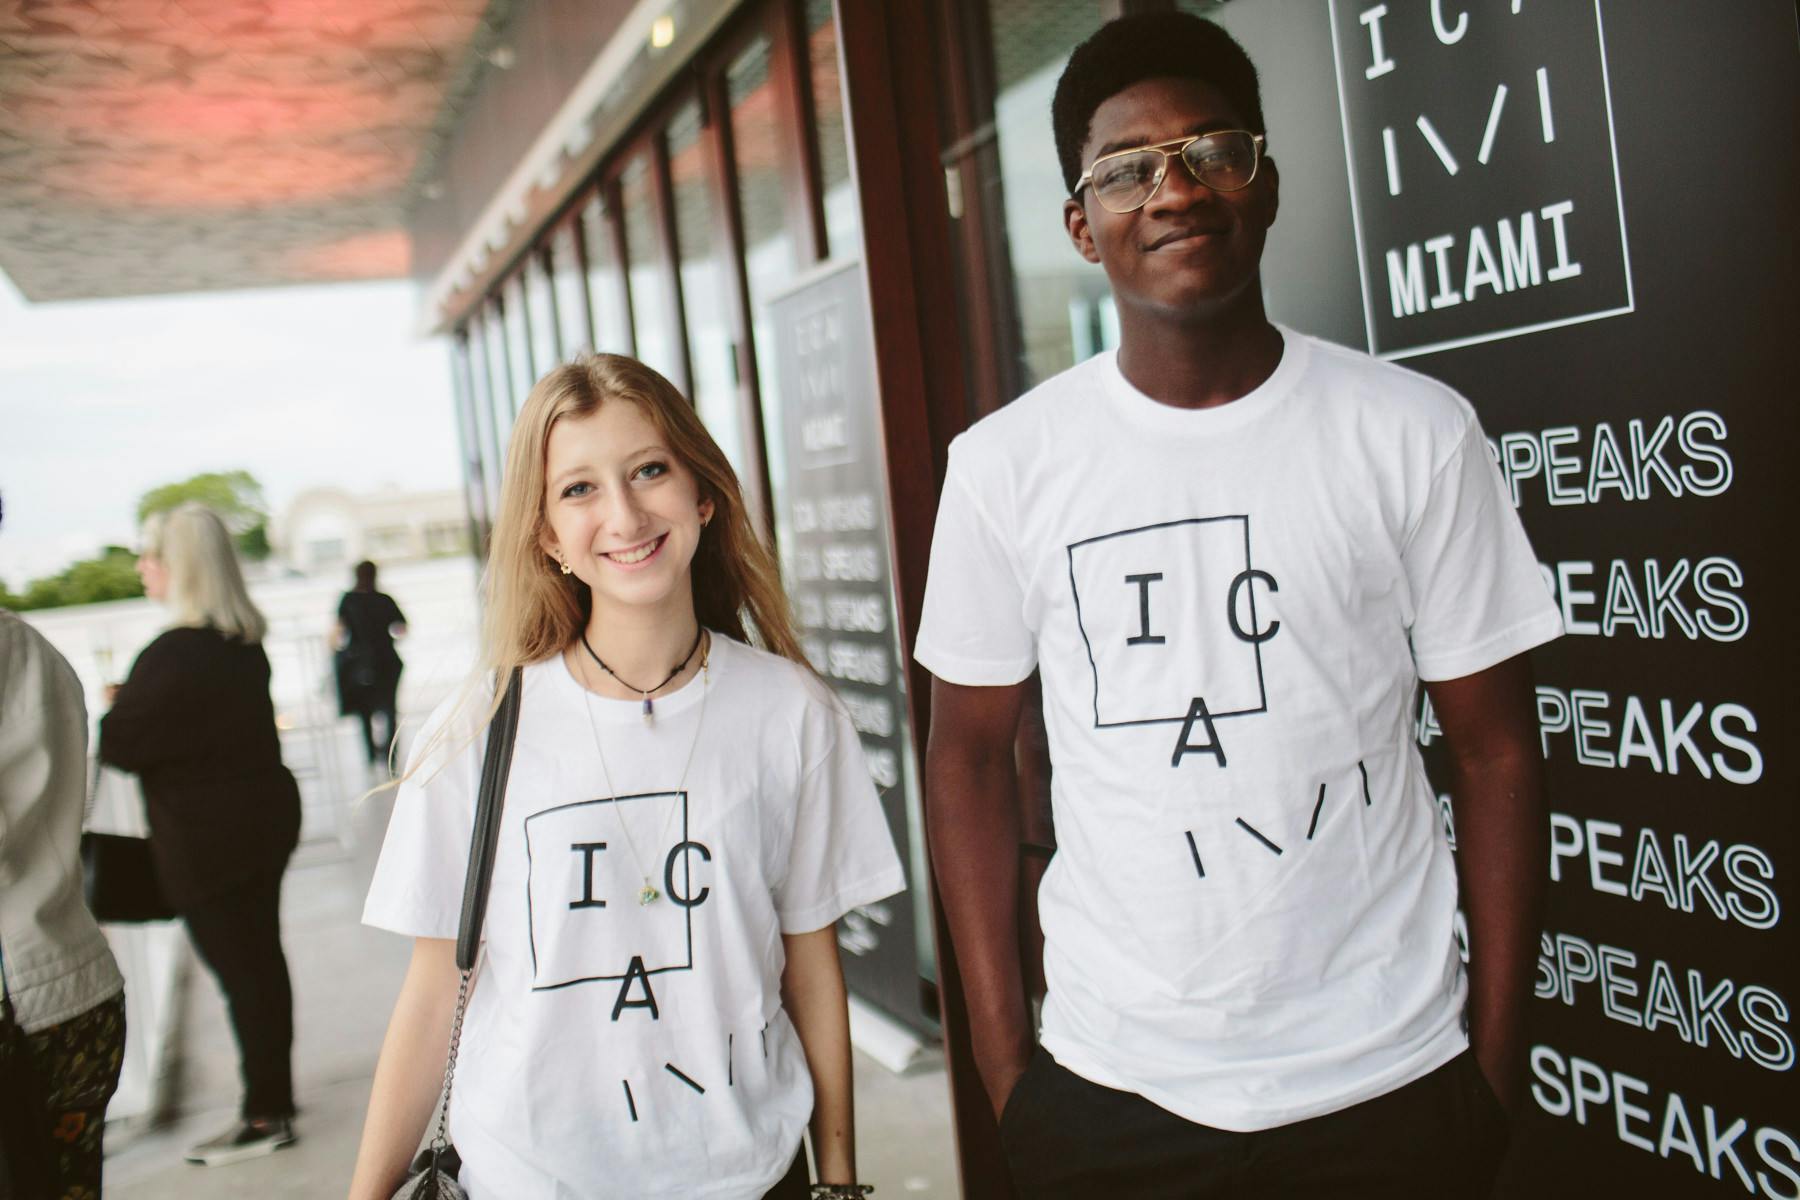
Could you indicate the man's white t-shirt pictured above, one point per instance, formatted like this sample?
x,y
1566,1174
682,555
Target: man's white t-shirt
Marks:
x,y
1249,916
613,1048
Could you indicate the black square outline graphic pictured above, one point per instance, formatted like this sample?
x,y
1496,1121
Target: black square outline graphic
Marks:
x,y
1256,647
531,917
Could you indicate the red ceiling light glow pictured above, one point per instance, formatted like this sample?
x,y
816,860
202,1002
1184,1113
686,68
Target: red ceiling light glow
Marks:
x,y
173,145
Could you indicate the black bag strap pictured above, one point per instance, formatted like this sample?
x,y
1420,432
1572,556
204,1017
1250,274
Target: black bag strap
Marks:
x,y
496,766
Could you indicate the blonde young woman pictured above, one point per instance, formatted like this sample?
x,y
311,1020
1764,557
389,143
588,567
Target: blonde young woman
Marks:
x,y
659,1011
193,720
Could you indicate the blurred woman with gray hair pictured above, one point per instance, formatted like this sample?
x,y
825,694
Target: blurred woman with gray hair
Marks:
x,y
194,721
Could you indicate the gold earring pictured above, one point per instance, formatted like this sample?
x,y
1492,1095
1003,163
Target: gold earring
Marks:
x,y
566,568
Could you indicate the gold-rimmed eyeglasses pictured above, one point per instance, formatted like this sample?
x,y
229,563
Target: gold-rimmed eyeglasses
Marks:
x,y
1124,181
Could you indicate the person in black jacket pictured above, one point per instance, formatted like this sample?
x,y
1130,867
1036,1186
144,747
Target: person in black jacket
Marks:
x,y
368,669
193,720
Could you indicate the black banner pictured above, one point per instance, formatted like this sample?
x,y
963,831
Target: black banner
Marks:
x,y
836,561
1519,170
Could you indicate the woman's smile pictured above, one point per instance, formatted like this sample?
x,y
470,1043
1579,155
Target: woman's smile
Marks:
x,y
637,555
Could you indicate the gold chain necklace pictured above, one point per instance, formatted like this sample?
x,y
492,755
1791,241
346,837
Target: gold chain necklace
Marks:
x,y
648,894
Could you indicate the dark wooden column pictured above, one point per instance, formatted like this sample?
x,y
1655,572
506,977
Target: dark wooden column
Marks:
x,y
895,157
977,204
611,200
790,74
662,217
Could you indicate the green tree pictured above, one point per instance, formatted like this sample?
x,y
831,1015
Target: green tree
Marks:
x,y
111,576
235,495
253,543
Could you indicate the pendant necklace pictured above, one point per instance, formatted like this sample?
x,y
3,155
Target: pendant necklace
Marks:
x,y
648,894
644,693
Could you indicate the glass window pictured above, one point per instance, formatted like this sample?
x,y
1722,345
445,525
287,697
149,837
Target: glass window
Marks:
x,y
652,306
1065,308
769,254
486,406
606,281
500,397
541,316
574,333
843,224
519,367
467,436
704,286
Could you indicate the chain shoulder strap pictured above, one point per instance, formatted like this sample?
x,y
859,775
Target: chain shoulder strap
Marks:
x,y
440,1141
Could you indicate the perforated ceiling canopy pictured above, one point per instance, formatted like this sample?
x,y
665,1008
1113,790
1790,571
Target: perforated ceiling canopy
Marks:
x,y
155,146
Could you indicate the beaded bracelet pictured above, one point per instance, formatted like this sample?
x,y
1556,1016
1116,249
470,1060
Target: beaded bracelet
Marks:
x,y
841,1191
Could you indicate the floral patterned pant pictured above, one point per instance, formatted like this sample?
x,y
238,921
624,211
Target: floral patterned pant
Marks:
x,y
78,1061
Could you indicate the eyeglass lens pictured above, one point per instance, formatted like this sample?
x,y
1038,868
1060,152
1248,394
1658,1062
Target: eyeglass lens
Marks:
x,y
1224,162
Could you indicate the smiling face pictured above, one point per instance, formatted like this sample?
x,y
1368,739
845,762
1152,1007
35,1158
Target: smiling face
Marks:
x,y
1191,252
622,510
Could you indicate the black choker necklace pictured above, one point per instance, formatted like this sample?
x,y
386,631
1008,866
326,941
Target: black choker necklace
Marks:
x,y
649,705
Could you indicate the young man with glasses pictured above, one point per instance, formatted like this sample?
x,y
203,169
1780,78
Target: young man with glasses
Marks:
x,y
1232,551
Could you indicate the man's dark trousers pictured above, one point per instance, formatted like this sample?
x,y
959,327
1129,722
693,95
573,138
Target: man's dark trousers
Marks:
x,y
1440,1136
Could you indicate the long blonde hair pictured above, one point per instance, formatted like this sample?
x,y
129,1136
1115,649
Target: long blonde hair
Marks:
x,y
535,611
206,587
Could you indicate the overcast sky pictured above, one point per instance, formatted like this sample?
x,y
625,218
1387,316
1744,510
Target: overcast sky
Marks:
x,y
325,385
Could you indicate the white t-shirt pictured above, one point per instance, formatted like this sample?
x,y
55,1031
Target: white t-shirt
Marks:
x,y
1249,916
619,1049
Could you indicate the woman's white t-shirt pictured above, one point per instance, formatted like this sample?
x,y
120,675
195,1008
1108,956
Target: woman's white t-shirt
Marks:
x,y
613,1048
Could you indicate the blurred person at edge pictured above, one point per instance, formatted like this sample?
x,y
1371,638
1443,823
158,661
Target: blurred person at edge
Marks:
x,y
368,669
193,720
63,989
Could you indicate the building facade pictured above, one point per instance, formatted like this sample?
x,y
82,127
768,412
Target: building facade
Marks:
x,y
328,529
837,228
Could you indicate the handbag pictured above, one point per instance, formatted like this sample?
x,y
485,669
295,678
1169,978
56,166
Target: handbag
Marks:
x,y
433,1175
119,881
118,877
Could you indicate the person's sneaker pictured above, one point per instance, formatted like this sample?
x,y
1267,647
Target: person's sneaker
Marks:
x,y
246,1139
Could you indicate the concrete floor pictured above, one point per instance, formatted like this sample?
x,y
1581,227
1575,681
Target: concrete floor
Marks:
x,y
345,980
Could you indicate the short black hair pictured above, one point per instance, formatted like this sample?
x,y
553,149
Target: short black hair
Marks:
x,y
1159,45
365,576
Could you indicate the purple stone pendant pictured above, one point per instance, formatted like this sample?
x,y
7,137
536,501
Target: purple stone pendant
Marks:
x,y
649,710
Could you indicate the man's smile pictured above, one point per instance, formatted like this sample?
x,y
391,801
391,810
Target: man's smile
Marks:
x,y
1185,237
